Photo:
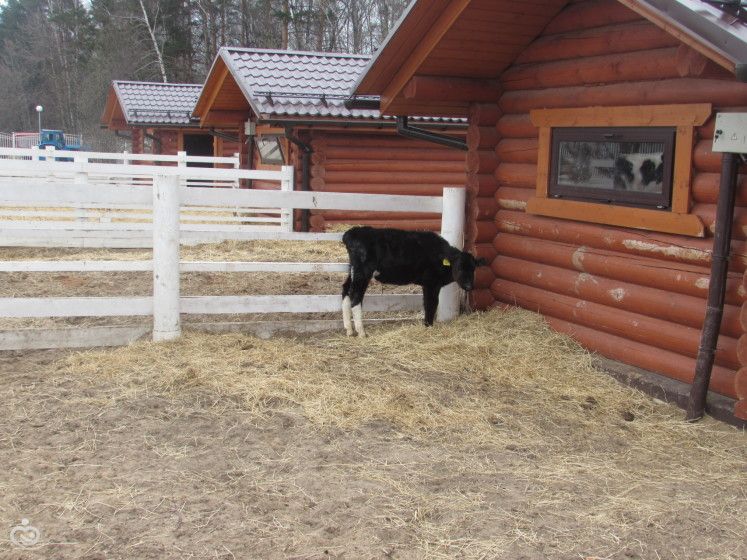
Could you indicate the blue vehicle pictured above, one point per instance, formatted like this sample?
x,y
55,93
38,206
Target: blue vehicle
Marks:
x,y
56,139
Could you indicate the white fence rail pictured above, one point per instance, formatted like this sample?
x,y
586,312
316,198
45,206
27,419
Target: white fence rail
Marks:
x,y
35,213
168,201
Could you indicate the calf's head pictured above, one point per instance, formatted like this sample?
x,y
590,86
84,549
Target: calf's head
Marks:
x,y
463,267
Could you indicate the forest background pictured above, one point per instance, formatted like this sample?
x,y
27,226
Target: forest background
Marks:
x,y
63,54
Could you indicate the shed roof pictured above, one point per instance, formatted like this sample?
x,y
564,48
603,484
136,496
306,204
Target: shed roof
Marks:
x,y
282,85
479,39
151,103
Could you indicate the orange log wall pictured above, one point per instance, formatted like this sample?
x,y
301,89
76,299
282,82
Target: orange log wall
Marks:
x,y
634,296
383,163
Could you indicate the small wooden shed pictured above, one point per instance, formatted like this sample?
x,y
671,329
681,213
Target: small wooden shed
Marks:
x,y
597,154
157,118
284,105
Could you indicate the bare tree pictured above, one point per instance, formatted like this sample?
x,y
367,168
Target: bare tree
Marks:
x,y
152,32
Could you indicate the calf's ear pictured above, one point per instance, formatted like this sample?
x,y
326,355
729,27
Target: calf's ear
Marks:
x,y
481,262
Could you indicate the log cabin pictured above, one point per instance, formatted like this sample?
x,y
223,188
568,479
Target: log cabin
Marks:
x,y
289,107
157,118
582,84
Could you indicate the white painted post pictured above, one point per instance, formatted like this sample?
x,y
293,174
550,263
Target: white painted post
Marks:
x,y
166,320
452,230
237,165
181,161
286,184
80,178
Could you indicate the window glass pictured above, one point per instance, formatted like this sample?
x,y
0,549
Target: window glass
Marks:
x,y
615,165
270,150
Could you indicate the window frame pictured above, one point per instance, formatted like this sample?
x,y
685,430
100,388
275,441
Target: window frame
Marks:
x,y
681,118
279,143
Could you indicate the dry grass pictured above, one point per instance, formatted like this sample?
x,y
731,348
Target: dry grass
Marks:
x,y
263,250
491,437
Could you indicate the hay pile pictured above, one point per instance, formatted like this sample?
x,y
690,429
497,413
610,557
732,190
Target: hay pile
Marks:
x,y
499,375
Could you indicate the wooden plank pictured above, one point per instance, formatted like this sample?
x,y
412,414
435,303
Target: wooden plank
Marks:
x,y
423,48
116,156
185,266
45,194
543,161
311,200
694,114
206,266
682,174
76,337
638,218
210,305
76,307
76,266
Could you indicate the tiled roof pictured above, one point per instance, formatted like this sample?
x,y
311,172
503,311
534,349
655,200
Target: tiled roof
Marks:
x,y
299,84
157,103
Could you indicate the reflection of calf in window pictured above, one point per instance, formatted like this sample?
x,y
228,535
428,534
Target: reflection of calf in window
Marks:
x,y
639,172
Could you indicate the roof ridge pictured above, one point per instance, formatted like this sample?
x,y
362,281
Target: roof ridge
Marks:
x,y
170,84
319,54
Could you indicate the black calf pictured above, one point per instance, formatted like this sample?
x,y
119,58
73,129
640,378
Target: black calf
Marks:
x,y
394,256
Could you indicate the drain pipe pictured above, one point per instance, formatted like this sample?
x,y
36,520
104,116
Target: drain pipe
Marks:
x,y
306,151
696,403
404,129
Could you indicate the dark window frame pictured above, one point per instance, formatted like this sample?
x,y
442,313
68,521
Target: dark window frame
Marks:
x,y
659,201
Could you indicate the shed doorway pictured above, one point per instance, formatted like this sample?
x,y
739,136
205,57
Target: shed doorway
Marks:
x,y
198,145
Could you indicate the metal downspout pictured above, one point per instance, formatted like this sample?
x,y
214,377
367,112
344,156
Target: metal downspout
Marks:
x,y
404,129
696,403
306,151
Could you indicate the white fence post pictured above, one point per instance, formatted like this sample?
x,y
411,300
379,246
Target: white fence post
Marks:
x,y
81,178
286,184
166,320
452,230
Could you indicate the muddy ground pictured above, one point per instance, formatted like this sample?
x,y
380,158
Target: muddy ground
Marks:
x,y
105,468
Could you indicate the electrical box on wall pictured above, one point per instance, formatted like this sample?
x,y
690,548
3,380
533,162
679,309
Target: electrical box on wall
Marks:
x,y
730,134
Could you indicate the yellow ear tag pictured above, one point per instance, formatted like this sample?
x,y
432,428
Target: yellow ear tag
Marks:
x,y
446,262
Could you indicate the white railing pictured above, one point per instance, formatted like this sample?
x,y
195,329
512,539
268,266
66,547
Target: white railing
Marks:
x,y
168,198
31,139
33,213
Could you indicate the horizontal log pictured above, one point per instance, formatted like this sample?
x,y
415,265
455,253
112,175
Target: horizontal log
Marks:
x,y
592,70
742,349
517,150
652,302
657,92
484,114
390,154
639,328
486,232
389,141
740,384
481,184
666,247
395,177
643,356
480,300
481,161
393,166
587,15
517,126
484,277
691,63
418,190
344,215
482,137
432,88
486,207
510,198
485,251
707,213
705,188
411,225
619,38
643,271
519,175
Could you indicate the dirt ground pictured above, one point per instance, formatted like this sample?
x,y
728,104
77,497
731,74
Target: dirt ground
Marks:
x,y
414,443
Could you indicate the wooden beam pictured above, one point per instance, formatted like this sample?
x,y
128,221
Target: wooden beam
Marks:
x,y
427,88
421,52
220,77
652,115
232,119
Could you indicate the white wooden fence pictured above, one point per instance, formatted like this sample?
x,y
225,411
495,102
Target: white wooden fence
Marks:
x,y
168,199
44,220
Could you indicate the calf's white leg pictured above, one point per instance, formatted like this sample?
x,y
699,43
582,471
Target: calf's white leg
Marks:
x,y
347,315
358,319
